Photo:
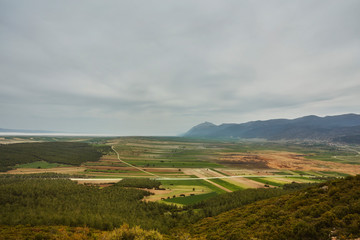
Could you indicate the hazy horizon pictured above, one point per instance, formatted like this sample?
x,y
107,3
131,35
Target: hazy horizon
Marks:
x,y
159,68
42,132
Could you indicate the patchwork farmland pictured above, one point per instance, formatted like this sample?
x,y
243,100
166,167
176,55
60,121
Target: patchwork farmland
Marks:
x,y
188,168
97,188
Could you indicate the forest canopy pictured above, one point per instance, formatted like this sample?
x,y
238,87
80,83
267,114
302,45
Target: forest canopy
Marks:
x,y
71,153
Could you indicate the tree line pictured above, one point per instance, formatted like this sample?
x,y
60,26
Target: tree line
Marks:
x,y
139,183
71,153
64,202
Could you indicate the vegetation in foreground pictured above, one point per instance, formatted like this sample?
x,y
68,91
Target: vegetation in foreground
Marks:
x,y
33,202
76,233
316,212
63,202
331,209
321,211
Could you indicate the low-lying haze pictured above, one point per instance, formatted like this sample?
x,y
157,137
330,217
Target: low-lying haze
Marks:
x,y
161,67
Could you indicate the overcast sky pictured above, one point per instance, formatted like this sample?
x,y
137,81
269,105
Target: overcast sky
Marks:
x,y
159,67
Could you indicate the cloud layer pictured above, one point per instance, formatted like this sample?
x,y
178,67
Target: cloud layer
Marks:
x,y
159,67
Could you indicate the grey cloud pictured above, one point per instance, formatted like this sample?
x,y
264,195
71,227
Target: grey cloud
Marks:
x,y
158,67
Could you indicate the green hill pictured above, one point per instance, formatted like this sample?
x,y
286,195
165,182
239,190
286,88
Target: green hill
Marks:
x,y
331,209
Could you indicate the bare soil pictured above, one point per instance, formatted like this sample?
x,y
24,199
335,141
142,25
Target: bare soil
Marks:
x,y
65,170
285,160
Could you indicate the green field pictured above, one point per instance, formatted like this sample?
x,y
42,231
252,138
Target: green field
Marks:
x,y
191,199
219,172
266,181
305,179
156,152
334,174
226,184
192,183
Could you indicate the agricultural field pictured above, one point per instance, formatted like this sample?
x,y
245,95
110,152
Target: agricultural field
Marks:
x,y
190,170
133,185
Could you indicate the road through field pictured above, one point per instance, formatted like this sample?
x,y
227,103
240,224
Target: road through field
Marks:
x,y
142,170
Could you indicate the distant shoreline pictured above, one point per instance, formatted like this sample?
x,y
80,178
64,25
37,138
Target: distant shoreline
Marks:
x,y
14,134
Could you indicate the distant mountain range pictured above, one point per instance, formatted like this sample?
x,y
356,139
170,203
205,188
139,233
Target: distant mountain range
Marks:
x,y
330,128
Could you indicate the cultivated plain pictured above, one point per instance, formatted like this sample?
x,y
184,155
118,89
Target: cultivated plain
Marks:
x,y
179,180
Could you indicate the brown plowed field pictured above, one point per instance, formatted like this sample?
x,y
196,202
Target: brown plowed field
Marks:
x,y
284,160
65,170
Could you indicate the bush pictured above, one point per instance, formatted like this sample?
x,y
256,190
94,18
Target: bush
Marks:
x,y
136,233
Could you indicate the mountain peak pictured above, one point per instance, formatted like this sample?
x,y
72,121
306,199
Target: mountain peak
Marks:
x,y
205,124
201,129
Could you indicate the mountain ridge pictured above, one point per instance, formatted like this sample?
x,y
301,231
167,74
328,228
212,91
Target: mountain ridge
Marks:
x,y
310,127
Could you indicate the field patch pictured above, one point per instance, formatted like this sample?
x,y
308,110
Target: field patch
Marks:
x,y
284,161
226,184
191,199
183,188
266,181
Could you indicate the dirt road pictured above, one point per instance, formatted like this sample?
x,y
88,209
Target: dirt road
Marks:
x,y
118,156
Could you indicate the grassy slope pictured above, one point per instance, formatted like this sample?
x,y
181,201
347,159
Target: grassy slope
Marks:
x,y
330,209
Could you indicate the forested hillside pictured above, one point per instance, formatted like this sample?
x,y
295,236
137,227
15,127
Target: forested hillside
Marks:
x,y
331,209
63,202
225,202
71,153
32,200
